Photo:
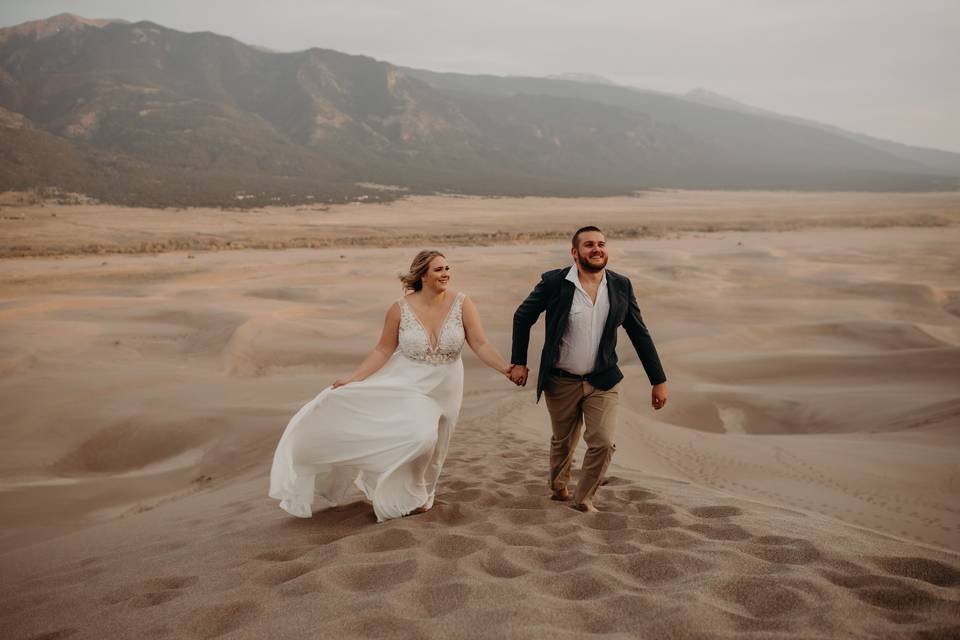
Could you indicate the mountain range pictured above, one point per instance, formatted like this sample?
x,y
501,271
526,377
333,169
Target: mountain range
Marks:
x,y
138,113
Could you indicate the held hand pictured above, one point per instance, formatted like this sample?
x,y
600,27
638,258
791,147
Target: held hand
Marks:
x,y
340,382
518,375
658,396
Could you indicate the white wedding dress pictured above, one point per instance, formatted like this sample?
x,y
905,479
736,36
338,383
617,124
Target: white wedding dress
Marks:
x,y
386,436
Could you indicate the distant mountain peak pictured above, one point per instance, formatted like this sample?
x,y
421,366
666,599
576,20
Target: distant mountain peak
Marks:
x,y
706,93
39,29
712,98
589,78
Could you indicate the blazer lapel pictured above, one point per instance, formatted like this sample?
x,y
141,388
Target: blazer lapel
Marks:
x,y
567,289
617,304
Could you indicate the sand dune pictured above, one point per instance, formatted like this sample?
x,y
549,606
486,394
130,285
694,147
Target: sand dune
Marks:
x,y
801,482
495,558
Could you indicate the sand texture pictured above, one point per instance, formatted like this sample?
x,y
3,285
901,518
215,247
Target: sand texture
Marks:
x,y
801,483
53,229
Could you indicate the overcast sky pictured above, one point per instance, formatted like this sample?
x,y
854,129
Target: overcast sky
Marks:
x,y
889,68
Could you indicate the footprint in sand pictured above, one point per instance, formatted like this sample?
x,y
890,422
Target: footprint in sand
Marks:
x,y
375,625
452,515
715,512
526,517
635,495
656,523
458,485
370,578
59,634
575,586
895,594
783,550
900,598
660,567
494,563
725,531
653,509
521,539
481,497
433,601
152,592
283,555
606,522
284,573
535,488
930,571
547,560
671,538
381,541
453,546
511,478
217,620
767,597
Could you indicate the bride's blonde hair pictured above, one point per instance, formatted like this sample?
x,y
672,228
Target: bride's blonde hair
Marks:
x,y
412,280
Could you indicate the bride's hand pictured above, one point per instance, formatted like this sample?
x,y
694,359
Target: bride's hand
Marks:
x,y
341,382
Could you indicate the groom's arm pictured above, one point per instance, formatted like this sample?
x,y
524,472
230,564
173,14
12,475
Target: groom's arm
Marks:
x,y
642,342
525,317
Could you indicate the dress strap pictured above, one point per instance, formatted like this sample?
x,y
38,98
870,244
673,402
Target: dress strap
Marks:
x,y
458,303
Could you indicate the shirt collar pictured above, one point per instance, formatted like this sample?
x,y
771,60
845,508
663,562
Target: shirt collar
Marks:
x,y
574,276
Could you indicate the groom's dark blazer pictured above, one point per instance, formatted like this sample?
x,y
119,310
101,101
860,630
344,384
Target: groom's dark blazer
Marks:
x,y
554,294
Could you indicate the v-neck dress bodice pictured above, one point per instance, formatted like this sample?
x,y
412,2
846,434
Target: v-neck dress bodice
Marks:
x,y
415,342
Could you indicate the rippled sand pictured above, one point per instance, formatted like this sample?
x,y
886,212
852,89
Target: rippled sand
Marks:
x,y
801,482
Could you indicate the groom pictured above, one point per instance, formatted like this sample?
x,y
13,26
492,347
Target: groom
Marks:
x,y
579,375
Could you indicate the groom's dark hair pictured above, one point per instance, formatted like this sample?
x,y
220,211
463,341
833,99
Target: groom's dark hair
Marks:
x,y
576,236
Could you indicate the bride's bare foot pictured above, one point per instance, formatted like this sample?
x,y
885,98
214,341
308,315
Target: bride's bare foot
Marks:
x,y
419,510
561,496
585,507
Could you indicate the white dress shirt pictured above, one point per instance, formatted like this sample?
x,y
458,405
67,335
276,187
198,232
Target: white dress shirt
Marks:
x,y
581,339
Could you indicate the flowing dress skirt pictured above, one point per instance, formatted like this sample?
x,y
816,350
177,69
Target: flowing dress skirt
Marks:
x,y
386,436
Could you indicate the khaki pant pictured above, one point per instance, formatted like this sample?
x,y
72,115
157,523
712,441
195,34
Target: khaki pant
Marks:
x,y
575,405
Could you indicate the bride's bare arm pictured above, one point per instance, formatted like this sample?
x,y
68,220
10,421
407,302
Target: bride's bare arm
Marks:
x,y
477,339
382,352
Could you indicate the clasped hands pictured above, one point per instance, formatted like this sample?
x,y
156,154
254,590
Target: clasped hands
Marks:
x,y
517,373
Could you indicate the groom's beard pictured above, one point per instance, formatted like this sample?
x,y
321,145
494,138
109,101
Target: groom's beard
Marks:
x,y
586,265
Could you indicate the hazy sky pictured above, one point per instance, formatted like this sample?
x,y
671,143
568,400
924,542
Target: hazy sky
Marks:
x,y
889,68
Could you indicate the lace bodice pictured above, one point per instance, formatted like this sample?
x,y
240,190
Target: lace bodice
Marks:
x,y
415,342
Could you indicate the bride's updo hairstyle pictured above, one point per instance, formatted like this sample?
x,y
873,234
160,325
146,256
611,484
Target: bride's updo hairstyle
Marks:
x,y
413,279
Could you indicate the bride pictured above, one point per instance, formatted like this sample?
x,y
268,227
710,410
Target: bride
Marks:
x,y
385,429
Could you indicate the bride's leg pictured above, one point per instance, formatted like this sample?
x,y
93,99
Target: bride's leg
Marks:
x,y
423,469
439,456
405,488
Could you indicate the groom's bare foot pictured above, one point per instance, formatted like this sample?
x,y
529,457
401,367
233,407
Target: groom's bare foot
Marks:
x,y
585,507
561,496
